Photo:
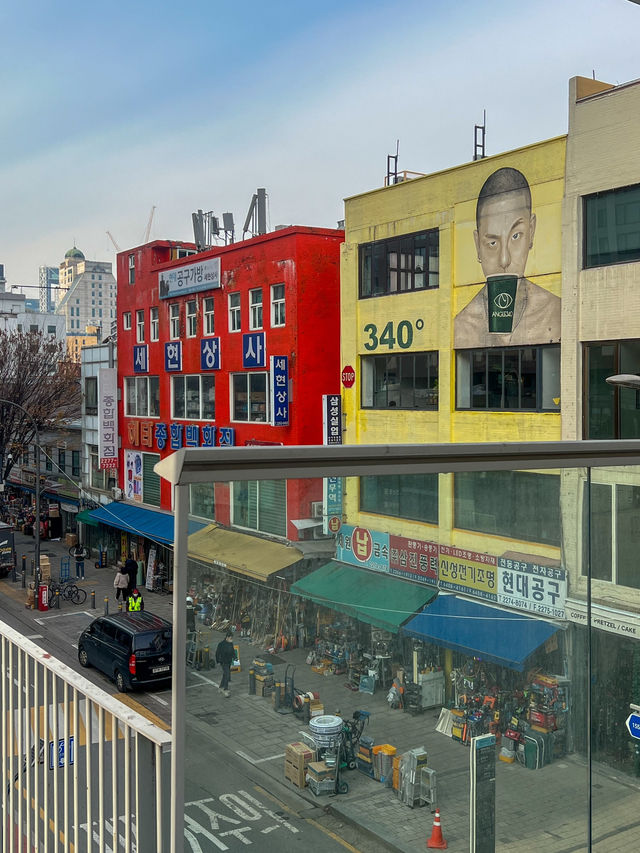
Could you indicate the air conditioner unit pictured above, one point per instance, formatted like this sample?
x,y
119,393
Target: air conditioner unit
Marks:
x,y
117,493
316,509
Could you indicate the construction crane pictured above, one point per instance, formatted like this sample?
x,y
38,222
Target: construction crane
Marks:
x,y
147,232
111,237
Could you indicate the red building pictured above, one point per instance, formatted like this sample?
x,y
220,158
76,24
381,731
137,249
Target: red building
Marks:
x,y
235,345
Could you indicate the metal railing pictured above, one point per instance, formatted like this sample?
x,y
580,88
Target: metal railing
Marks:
x,y
81,771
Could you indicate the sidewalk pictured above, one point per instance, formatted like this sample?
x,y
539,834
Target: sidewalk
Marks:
x,y
535,809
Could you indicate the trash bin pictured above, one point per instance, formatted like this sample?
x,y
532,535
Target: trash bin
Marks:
x,y
43,597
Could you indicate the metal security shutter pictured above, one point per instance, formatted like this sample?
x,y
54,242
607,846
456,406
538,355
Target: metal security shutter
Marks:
x,y
150,480
272,507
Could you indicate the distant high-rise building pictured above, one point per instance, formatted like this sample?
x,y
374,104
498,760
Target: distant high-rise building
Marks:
x,y
49,278
3,280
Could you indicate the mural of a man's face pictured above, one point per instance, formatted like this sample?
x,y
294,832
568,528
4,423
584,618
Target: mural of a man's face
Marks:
x,y
505,233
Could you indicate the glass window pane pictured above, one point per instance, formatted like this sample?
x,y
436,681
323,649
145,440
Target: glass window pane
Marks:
x,y
142,392
154,396
601,362
597,531
178,396
240,397
208,401
192,397
627,536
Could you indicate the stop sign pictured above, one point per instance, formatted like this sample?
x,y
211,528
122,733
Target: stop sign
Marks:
x,y
348,376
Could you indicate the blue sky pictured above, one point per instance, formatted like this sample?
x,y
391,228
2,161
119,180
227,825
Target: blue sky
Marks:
x,y
110,108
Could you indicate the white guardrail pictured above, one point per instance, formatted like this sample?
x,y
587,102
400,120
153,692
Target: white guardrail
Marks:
x,y
80,770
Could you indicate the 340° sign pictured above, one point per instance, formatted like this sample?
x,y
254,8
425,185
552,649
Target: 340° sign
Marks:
x,y
394,334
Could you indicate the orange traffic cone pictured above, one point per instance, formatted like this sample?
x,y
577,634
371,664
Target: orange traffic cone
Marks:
x,y
436,839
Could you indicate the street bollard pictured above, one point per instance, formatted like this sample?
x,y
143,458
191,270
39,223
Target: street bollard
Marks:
x,y
93,599
57,600
24,563
24,578
252,682
106,605
32,568
120,607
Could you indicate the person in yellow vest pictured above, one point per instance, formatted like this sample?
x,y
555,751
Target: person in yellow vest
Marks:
x,y
135,602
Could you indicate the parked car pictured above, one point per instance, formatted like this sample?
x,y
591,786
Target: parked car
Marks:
x,y
7,550
134,649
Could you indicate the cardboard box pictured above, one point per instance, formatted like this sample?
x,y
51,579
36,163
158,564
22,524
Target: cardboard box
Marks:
x,y
316,709
319,771
295,774
300,754
71,539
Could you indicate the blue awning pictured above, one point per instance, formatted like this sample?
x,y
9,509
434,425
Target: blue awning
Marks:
x,y
495,635
157,526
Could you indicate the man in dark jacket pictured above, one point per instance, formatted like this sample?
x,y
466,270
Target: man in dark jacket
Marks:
x,y
131,569
225,654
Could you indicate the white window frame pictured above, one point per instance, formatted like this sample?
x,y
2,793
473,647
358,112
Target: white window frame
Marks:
x,y
138,382
126,321
248,377
183,378
235,320
255,308
140,326
174,321
278,310
208,316
191,310
132,269
154,323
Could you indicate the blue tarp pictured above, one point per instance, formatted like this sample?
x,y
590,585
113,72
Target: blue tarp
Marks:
x,y
495,635
157,526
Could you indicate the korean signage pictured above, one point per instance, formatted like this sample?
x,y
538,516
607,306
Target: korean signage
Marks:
x,y
133,475
528,586
332,418
360,546
191,278
332,489
175,435
210,354
279,368
253,350
141,359
108,417
468,572
173,356
413,559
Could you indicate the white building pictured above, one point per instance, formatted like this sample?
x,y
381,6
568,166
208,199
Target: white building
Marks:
x,y
87,293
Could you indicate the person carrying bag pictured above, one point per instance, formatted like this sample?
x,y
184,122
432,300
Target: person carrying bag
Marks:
x,y
120,584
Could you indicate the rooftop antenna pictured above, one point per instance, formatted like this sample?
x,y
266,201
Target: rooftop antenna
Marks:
x,y
480,132
392,166
256,220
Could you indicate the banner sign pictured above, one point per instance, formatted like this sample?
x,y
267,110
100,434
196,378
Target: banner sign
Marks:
x,y
133,475
108,417
360,546
605,618
528,586
191,278
468,572
332,490
332,419
413,559
279,369
141,358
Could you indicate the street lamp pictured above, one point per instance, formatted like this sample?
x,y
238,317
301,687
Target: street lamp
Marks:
x,y
37,436
625,380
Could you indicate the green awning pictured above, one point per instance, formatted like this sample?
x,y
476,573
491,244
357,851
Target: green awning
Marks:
x,y
377,599
85,518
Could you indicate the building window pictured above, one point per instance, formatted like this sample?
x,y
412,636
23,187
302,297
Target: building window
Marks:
x,y
400,381
208,324
48,459
132,269
91,395
192,318
410,262
612,227
193,397
75,463
140,326
610,412
142,396
255,308
495,502
155,325
234,312
51,330
62,460
202,500
277,305
611,535
261,505
174,321
126,321
412,496
514,378
250,401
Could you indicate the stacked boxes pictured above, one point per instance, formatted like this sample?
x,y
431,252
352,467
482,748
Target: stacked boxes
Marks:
x,y
383,763
316,708
264,677
297,758
321,778
45,569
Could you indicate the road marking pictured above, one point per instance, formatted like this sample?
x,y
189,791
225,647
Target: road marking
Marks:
x,y
43,619
208,680
332,835
158,699
258,760
130,702
35,636
245,756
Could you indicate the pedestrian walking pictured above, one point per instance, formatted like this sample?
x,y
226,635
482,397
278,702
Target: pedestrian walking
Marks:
x,y
131,569
78,553
121,584
135,602
225,654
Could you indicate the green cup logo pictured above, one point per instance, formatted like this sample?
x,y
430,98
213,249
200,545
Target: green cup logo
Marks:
x,y
501,298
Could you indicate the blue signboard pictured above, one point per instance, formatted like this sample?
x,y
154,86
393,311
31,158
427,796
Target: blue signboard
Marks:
x,y
360,546
279,365
173,356
59,759
210,354
253,350
633,724
140,359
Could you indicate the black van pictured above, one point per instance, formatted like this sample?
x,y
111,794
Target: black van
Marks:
x,y
134,649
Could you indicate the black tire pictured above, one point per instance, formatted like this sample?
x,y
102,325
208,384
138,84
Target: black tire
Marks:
x,y
83,657
120,681
79,596
343,788
352,764
68,591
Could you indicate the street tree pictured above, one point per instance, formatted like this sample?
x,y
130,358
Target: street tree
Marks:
x,y
36,374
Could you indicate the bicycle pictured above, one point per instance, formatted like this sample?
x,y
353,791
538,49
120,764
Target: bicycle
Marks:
x,y
67,590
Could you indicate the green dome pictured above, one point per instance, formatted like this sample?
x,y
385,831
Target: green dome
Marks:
x,y
74,253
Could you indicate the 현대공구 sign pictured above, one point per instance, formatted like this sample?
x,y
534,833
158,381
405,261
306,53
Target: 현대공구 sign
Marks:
x,y
532,587
204,275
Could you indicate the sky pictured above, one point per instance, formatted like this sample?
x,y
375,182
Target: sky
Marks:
x,y
108,109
